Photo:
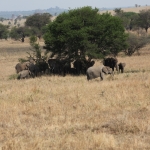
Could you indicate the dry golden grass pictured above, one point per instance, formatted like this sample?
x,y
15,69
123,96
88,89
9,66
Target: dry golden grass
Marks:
x,y
21,22
69,113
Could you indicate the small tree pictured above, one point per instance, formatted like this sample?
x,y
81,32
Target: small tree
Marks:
x,y
14,34
38,20
9,23
128,18
135,43
15,22
3,31
118,11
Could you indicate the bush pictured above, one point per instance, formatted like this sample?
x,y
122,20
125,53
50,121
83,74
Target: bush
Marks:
x,y
135,43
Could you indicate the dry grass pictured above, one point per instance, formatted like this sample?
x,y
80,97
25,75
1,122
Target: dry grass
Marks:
x,y
21,22
69,113
130,9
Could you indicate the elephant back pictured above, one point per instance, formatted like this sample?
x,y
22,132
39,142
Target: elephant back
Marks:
x,y
21,66
111,62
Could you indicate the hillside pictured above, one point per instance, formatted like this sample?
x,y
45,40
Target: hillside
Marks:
x,y
130,9
52,11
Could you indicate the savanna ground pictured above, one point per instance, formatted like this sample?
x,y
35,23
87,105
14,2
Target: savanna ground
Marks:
x,y
70,113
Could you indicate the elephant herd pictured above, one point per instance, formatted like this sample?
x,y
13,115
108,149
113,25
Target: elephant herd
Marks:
x,y
113,63
107,68
52,66
62,67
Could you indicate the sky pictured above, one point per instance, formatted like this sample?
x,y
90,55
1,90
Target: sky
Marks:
x,y
25,5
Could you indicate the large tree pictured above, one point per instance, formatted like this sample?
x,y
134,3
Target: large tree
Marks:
x,y
83,31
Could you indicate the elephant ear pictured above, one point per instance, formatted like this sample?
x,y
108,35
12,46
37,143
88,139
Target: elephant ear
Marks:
x,y
105,70
27,66
92,62
123,64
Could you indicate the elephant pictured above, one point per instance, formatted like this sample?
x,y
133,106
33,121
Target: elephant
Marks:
x,y
111,62
60,67
98,71
55,66
121,67
73,71
43,66
21,66
34,69
81,65
24,74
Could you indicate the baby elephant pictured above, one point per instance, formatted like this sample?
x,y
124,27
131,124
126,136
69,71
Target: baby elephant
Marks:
x,y
24,74
98,71
121,67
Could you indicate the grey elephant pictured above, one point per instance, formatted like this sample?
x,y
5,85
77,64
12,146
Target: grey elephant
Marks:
x,y
24,74
111,62
121,67
34,69
98,71
21,66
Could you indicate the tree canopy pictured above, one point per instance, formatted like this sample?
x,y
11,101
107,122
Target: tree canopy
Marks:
x,y
128,18
38,20
143,19
135,43
3,31
83,32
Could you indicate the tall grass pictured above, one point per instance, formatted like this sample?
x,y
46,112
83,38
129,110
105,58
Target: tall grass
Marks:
x,y
54,112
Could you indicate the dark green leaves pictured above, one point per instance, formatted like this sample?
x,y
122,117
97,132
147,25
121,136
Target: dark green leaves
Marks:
x,y
83,32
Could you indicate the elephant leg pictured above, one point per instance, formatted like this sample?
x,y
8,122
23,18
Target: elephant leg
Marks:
x,y
113,69
88,77
101,75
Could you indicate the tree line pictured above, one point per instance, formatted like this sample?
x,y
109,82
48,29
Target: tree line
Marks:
x,y
84,32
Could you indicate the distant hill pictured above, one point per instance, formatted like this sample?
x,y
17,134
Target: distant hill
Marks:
x,y
127,9
56,11
53,11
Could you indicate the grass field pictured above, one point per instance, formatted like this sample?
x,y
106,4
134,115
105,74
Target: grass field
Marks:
x,y
70,113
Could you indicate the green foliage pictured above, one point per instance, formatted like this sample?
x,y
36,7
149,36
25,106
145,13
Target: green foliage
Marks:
x,y
82,32
128,18
135,43
13,76
16,33
118,11
36,50
2,19
22,60
3,31
19,32
35,31
9,23
38,20
15,22
33,40
143,19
